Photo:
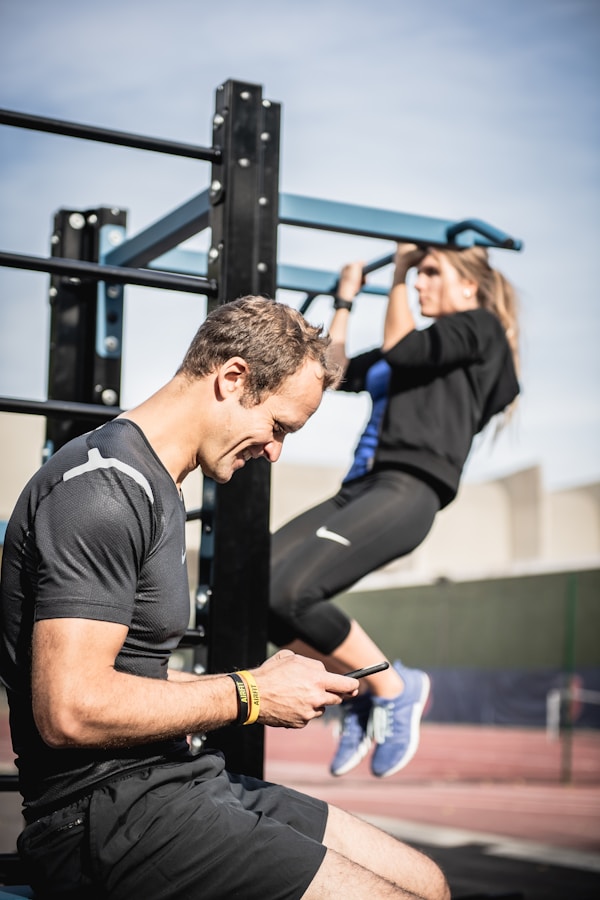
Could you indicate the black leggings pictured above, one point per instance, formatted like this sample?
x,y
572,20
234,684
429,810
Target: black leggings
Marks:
x,y
371,521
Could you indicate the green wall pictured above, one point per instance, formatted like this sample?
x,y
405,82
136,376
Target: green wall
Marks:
x,y
533,621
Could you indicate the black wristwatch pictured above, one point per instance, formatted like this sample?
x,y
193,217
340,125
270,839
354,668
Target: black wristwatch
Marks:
x,y
340,303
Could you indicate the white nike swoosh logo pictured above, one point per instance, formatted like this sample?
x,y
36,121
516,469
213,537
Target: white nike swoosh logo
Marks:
x,y
183,554
323,532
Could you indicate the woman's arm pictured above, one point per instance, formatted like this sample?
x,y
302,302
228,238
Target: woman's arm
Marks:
x,y
399,320
350,283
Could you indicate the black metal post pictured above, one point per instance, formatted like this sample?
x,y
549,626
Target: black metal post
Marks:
x,y
85,324
235,552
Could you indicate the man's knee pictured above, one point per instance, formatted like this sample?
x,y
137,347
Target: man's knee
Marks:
x,y
380,853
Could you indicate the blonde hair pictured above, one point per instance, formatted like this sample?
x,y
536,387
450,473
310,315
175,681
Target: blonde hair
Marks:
x,y
494,291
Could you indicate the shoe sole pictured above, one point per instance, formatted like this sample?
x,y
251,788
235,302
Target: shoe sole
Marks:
x,y
414,731
359,755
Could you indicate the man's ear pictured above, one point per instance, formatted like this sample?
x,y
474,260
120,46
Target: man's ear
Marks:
x,y
231,377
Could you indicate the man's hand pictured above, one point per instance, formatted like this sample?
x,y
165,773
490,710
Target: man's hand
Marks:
x,y
294,689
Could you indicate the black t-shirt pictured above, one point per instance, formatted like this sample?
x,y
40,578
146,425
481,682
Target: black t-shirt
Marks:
x,y
98,533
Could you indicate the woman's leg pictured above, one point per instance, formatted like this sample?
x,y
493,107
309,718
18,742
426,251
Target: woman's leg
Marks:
x,y
369,523
381,518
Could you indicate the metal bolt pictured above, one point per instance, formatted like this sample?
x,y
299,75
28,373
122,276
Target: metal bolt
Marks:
x,y
202,598
113,290
92,219
115,237
263,201
114,211
77,221
213,254
199,669
109,397
265,136
262,267
215,186
266,103
53,292
74,280
218,120
111,343
245,95
54,239
244,162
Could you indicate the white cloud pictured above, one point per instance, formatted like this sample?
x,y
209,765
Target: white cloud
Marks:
x,y
450,110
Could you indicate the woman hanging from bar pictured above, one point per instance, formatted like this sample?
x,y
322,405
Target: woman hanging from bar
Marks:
x,y
432,391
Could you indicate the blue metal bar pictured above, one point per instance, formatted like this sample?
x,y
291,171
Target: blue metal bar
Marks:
x,y
308,212
107,136
109,304
316,281
494,235
346,218
289,278
183,262
174,228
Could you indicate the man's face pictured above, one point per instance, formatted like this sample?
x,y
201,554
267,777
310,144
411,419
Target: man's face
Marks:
x,y
249,432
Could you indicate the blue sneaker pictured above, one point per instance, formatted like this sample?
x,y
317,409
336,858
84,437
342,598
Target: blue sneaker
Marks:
x,y
355,742
394,724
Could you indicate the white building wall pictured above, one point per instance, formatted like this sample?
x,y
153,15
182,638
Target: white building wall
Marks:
x,y
491,529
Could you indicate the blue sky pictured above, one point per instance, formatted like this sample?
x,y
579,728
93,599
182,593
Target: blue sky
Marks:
x,y
449,109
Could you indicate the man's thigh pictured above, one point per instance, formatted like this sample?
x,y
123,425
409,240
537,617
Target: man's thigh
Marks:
x,y
177,835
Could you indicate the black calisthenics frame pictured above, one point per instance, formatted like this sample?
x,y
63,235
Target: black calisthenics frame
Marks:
x,y
242,209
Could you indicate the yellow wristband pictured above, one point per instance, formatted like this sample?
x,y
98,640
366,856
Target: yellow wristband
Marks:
x,y
253,697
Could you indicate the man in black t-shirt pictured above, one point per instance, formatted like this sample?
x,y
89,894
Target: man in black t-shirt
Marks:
x,y
94,598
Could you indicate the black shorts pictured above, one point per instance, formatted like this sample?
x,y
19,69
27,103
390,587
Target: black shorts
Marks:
x,y
180,831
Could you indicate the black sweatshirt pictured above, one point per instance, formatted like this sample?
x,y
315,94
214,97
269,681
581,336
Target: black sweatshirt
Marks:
x,y
447,382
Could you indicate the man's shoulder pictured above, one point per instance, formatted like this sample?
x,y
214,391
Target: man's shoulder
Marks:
x,y
116,449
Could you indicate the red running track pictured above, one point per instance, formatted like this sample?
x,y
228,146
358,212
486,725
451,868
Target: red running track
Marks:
x,y
496,780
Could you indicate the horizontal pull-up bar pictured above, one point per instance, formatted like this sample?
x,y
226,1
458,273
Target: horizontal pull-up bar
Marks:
x,y
59,409
73,268
307,212
346,218
108,136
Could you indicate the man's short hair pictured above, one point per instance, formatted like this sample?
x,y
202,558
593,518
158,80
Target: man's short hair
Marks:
x,y
273,339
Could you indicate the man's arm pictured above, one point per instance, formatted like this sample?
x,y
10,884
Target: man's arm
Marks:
x,y
81,700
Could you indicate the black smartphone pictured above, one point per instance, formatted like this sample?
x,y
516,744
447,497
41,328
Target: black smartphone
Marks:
x,y
370,670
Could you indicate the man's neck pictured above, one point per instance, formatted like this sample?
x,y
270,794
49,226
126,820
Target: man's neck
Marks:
x,y
170,422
